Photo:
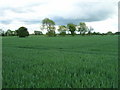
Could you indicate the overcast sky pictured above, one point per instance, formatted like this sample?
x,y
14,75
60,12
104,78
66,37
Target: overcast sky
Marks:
x,y
102,15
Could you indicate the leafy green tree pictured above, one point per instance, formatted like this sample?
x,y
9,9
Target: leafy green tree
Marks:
x,y
82,28
62,29
72,28
16,32
22,32
49,25
90,30
2,33
8,32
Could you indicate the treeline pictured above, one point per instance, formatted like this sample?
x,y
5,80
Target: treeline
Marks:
x,y
21,32
49,26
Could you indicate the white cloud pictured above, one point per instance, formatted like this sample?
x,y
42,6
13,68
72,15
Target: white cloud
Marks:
x,y
102,15
110,24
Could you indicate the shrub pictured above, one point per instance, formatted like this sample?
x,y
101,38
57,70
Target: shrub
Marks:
x,y
51,33
62,33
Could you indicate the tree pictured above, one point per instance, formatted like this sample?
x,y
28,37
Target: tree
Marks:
x,y
49,26
90,30
103,34
72,28
62,29
16,32
96,33
117,33
2,32
82,28
109,33
8,32
38,33
22,32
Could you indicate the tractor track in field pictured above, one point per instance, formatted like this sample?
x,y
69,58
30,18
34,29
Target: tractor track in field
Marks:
x,y
94,52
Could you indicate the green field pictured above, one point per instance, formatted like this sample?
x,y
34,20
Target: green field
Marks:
x,y
60,62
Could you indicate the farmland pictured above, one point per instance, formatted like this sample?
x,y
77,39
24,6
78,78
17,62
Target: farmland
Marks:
x,y
60,62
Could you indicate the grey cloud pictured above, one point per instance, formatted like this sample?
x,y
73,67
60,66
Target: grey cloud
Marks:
x,y
16,10
36,21
90,16
97,16
5,21
90,12
20,9
86,12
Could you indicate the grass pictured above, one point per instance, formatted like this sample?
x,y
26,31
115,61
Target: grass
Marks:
x,y
60,62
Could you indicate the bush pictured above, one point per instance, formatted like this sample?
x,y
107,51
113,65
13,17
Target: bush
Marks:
x,y
38,33
51,33
109,33
62,33
117,33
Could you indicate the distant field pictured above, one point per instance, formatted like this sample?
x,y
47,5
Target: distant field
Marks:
x,y
60,62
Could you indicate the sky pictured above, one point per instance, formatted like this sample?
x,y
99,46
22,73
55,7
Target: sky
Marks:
x,y
102,15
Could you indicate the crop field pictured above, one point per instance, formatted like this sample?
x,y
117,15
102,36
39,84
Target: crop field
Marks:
x,y
60,62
